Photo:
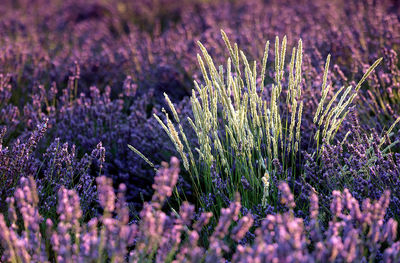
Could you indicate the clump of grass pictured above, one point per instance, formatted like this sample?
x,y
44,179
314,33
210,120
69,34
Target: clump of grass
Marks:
x,y
329,118
247,142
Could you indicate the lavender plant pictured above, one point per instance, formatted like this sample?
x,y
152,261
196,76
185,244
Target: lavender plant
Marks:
x,y
363,163
354,234
18,161
58,166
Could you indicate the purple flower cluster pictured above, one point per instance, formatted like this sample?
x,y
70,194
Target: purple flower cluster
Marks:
x,y
359,164
57,167
354,233
18,160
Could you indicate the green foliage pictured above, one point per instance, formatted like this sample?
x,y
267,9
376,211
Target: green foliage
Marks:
x,y
241,134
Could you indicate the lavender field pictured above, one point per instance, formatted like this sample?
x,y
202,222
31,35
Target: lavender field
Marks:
x,y
199,131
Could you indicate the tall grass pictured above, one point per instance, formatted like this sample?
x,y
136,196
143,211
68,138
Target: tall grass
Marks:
x,y
249,130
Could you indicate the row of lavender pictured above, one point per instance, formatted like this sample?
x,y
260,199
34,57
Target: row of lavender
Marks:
x,y
81,80
355,233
